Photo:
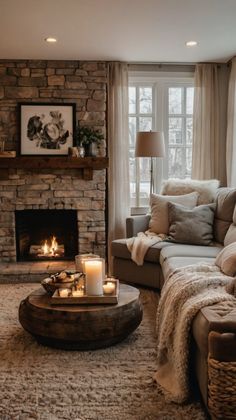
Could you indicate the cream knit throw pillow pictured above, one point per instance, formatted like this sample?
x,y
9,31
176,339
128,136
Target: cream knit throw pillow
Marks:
x,y
206,189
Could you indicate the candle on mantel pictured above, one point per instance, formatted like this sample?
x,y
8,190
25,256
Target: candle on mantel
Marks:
x,y
108,287
94,277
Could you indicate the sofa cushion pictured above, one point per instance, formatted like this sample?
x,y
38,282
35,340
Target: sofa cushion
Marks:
x,y
226,260
231,232
207,189
119,249
180,250
159,222
225,206
192,226
170,264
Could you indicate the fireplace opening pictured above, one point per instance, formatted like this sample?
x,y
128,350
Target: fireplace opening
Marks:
x,y
46,234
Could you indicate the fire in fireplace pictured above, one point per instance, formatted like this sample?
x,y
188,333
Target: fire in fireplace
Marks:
x,y
49,249
46,234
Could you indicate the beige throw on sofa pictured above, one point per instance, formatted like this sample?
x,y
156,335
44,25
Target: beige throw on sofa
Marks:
x,y
184,293
139,245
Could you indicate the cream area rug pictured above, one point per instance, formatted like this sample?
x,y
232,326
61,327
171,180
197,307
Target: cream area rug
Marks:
x,y
115,383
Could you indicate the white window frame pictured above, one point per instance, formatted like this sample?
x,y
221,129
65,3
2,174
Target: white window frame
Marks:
x,y
160,82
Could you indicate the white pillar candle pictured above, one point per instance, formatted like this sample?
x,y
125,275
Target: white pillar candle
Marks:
x,y
94,277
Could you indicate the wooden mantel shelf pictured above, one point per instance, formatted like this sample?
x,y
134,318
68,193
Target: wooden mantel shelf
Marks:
x,y
86,164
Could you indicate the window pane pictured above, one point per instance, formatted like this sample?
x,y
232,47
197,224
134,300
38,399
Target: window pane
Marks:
x,y
189,100
144,165
145,100
132,131
189,130
145,123
176,166
175,100
175,130
144,193
132,100
132,166
188,162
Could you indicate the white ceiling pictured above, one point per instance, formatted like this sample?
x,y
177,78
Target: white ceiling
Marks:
x,y
127,30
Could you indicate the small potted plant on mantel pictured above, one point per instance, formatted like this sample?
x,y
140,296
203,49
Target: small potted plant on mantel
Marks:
x,y
88,138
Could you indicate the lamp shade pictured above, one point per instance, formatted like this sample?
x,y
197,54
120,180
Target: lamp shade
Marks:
x,y
150,144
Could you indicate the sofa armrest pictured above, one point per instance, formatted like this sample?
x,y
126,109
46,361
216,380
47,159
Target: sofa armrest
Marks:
x,y
136,224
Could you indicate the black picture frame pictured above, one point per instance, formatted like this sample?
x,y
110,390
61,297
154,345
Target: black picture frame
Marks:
x,y
46,129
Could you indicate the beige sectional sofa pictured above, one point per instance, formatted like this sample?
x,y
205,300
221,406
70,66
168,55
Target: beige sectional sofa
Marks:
x,y
213,331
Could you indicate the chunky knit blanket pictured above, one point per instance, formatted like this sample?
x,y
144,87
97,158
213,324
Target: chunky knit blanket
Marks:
x,y
185,292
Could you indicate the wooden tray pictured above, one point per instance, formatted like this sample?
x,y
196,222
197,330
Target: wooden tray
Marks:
x,y
112,298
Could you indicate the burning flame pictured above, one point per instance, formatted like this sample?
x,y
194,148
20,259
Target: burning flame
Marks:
x,y
50,249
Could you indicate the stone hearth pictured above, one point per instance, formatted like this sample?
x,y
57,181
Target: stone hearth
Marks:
x,y
59,190
24,272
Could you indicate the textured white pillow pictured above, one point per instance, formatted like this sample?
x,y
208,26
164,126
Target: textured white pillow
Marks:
x,y
226,260
206,189
159,222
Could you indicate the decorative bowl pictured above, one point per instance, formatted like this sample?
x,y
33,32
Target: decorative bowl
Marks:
x,y
51,286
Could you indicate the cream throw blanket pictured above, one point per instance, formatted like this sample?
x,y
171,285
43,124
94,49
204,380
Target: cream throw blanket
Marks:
x,y
185,292
138,245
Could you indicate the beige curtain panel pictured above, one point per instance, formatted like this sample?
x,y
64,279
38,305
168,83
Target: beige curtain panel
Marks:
x,y
231,128
206,160
118,153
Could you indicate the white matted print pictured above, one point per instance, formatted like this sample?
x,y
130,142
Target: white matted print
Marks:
x,y
46,129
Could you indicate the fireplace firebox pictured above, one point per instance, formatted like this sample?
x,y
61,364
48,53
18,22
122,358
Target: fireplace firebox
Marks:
x,y
46,234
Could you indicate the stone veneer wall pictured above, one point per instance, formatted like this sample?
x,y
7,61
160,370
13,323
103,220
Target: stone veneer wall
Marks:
x,y
83,83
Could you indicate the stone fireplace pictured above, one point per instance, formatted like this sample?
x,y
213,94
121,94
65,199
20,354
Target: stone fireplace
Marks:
x,y
53,189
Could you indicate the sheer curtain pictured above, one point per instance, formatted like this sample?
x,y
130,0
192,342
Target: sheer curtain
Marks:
x,y
206,160
231,129
118,153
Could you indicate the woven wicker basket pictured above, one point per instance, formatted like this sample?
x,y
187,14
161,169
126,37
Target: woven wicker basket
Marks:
x,y
222,389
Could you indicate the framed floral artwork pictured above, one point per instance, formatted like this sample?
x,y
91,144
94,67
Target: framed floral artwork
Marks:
x,y
46,128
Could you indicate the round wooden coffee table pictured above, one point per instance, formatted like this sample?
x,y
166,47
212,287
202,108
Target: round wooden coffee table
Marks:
x,y
82,327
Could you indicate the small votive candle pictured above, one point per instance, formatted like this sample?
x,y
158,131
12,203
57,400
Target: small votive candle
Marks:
x,y
64,292
109,288
77,293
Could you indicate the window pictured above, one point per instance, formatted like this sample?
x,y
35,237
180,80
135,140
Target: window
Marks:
x,y
180,131
141,118
160,104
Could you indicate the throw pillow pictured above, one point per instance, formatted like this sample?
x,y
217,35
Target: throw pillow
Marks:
x,y
207,189
159,209
191,226
230,236
226,260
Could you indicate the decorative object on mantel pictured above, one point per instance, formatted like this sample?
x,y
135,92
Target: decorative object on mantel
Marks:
x,y
46,128
76,152
89,138
8,154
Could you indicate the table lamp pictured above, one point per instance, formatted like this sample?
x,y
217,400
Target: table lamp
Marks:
x,y
150,144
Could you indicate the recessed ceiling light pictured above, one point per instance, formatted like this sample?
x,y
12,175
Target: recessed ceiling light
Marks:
x,y
191,43
50,39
